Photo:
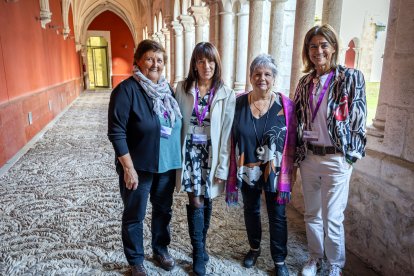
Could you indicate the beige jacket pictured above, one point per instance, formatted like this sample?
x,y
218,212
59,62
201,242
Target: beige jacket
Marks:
x,y
221,120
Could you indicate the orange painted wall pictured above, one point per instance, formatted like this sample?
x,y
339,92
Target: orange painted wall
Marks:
x,y
37,67
122,58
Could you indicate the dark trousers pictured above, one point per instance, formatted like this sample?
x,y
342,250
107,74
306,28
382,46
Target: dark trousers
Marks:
x,y
277,222
160,188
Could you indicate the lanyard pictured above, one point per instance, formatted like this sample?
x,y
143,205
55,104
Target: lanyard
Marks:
x,y
318,104
200,117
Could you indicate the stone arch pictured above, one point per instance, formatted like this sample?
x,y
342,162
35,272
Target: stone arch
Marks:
x,y
100,8
352,53
155,25
184,6
66,5
176,10
160,21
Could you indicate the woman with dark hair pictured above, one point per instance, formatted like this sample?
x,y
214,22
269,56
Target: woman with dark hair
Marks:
x,y
144,126
207,106
261,160
331,111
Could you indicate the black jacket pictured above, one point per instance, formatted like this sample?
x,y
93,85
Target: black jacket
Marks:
x,y
133,127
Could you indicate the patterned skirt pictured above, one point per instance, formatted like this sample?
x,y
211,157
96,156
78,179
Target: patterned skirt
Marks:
x,y
197,168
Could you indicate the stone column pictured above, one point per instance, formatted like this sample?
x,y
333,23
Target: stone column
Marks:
x,y
367,47
167,42
227,49
178,51
200,15
304,20
276,32
386,78
214,23
259,23
331,14
242,42
189,39
399,130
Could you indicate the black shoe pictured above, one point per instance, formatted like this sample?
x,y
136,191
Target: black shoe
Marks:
x,y
281,270
206,256
165,260
138,270
251,258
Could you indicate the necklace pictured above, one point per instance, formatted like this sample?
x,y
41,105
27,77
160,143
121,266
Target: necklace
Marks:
x,y
260,150
260,111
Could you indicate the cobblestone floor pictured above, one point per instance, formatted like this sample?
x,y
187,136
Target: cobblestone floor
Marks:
x,y
60,211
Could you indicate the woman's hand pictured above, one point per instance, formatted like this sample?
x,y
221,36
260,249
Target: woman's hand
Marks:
x,y
130,174
131,178
219,180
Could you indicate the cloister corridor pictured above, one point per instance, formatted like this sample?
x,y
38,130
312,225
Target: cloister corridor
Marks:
x,y
61,210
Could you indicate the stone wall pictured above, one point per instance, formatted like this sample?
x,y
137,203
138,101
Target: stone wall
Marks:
x,y
379,220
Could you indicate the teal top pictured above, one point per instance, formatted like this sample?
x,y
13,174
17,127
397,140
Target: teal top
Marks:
x,y
170,148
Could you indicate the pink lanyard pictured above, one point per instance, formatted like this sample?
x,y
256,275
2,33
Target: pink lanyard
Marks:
x,y
200,117
318,104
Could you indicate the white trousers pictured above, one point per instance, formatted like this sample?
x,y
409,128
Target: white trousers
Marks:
x,y
325,183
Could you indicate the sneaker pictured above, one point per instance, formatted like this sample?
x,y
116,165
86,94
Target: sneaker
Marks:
x,y
335,271
251,258
311,267
281,270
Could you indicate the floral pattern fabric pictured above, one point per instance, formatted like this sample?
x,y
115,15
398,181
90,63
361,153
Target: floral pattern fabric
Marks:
x,y
259,172
346,115
198,158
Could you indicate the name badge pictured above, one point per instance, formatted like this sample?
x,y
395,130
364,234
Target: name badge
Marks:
x,y
199,138
199,130
166,132
310,135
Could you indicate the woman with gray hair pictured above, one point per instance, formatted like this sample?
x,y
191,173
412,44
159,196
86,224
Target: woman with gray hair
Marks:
x,y
261,159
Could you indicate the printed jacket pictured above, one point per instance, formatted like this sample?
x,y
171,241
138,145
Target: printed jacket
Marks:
x,y
346,112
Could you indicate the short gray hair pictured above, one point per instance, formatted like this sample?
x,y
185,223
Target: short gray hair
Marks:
x,y
266,61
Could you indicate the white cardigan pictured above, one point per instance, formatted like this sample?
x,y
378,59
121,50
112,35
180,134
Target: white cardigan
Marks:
x,y
221,121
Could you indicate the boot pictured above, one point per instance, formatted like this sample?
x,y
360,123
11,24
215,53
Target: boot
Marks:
x,y
208,205
195,218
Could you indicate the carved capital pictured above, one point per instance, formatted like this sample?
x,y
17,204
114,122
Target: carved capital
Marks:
x,y
177,27
200,14
45,17
188,23
66,32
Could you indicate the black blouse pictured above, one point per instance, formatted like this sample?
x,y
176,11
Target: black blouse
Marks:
x,y
259,172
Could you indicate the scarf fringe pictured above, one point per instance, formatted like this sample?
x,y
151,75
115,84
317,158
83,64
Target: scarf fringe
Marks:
x,y
283,198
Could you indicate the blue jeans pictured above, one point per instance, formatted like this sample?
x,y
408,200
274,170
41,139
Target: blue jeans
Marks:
x,y
160,188
277,221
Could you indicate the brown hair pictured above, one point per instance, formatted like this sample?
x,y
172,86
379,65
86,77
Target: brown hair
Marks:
x,y
148,45
330,35
208,51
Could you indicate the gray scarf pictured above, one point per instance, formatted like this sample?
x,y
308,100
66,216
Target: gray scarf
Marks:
x,y
161,95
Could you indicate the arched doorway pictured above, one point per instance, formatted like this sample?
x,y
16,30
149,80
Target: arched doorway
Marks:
x,y
350,55
98,69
